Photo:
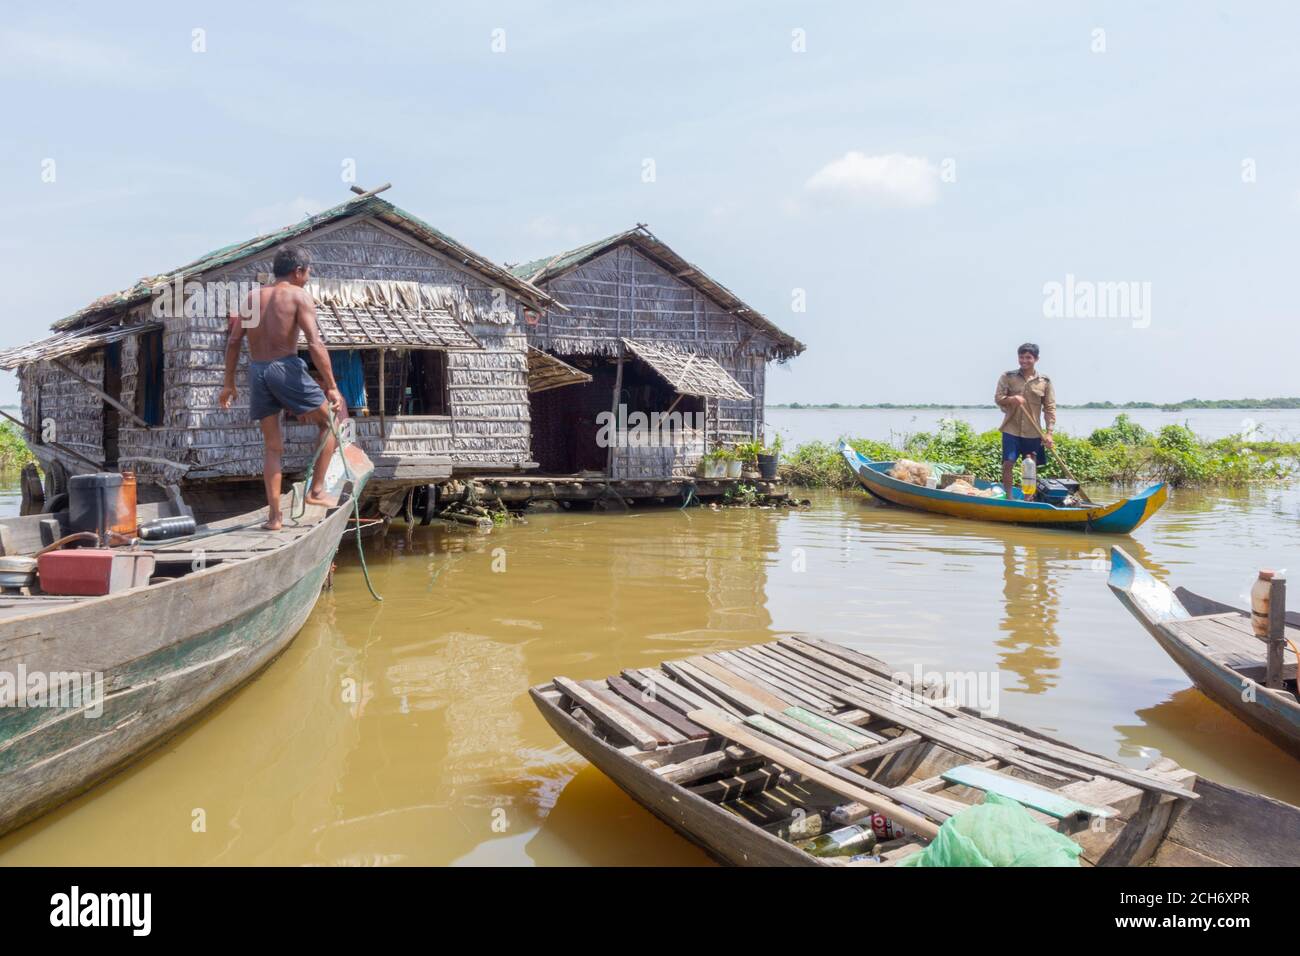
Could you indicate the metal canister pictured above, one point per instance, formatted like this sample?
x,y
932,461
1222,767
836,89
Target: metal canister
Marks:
x,y
885,828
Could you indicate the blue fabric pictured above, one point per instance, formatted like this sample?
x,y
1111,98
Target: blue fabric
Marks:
x,y
350,377
282,384
1014,447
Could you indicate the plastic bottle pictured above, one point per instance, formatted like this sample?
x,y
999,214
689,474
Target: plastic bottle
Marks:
x,y
163,528
1029,478
1259,602
846,841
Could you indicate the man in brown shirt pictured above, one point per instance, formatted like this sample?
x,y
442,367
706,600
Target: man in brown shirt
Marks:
x,y
1025,396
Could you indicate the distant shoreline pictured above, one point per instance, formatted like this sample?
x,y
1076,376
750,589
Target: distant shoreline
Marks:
x,y
1188,405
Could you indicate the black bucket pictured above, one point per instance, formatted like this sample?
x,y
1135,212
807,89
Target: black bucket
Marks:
x,y
767,466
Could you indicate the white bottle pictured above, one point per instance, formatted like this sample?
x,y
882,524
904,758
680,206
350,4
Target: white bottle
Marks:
x,y
1259,602
1029,477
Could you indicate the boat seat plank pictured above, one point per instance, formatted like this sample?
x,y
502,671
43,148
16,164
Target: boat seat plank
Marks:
x,y
662,733
1048,801
609,718
645,700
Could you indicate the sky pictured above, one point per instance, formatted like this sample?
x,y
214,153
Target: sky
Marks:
x,y
911,189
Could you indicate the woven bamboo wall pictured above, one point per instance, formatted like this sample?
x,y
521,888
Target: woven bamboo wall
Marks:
x,y
623,294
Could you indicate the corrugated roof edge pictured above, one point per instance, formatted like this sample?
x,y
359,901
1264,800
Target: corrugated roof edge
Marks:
x,y
545,269
361,205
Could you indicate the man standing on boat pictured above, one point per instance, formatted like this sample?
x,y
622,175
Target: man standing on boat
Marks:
x,y
1026,397
277,377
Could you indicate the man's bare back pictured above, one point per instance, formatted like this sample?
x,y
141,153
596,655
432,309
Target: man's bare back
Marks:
x,y
278,378
282,311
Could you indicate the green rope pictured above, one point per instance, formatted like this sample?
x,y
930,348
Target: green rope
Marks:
x,y
356,499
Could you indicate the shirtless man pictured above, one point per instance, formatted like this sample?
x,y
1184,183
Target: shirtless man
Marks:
x,y
278,378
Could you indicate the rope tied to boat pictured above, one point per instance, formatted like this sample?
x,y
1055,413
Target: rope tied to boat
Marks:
x,y
356,499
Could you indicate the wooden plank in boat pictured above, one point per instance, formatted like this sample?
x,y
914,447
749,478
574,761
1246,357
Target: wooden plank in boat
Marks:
x,y
646,701
720,724
807,688
755,781
771,683
748,691
662,733
721,688
706,687
856,740
999,738
875,751
609,718
1050,802
791,737
665,690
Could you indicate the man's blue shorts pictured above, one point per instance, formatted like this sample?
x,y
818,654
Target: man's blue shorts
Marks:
x,y
1014,447
282,384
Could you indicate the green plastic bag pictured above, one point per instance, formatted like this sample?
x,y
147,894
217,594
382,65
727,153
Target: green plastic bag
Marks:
x,y
997,832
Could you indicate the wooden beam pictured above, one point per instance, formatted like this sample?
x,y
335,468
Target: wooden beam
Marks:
x,y
1276,632
721,725
618,387
101,393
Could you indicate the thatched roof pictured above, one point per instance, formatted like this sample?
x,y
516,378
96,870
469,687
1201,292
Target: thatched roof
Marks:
x,y
71,341
688,372
541,271
401,220
546,372
385,312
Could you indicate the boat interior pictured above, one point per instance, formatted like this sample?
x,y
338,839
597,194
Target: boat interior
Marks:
x,y
225,536
801,733
1224,634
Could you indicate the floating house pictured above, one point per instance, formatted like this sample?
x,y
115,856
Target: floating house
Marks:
x,y
653,334
436,331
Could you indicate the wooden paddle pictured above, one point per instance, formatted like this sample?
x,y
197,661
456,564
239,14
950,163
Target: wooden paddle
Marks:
x,y
1060,459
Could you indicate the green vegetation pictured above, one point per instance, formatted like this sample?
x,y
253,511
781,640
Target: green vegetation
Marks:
x,y
1184,405
14,452
1123,451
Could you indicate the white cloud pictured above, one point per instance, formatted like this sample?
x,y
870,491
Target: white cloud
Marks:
x,y
893,179
286,213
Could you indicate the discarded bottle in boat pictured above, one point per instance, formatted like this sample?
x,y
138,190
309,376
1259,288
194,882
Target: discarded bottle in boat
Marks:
x,y
846,841
885,828
161,529
1259,602
1029,478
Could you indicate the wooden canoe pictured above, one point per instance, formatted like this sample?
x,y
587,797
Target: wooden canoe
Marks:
x,y
751,751
1216,648
222,605
1119,517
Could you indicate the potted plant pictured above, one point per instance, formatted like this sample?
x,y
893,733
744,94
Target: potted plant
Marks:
x,y
768,459
732,462
748,453
712,465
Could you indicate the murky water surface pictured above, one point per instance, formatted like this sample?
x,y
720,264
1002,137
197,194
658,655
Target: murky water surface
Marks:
x,y
403,733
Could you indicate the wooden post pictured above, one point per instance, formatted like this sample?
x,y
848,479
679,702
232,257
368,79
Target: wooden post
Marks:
x,y
383,429
618,387
1276,632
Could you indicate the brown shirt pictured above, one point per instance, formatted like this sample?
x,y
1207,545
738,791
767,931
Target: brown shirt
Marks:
x,y
1040,402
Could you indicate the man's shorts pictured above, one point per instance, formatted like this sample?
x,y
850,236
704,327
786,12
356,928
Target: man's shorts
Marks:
x,y
1014,448
282,384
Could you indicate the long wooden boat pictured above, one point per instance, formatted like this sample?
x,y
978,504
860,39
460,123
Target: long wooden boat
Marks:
x,y
751,751
1217,649
134,666
1119,517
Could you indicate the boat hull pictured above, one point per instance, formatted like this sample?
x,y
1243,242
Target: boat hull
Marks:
x,y
724,836
1273,714
166,653
1120,517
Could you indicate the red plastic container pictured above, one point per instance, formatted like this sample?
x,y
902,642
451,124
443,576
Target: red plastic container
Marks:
x,y
93,571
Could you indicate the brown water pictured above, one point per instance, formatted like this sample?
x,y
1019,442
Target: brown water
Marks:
x,y
403,733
